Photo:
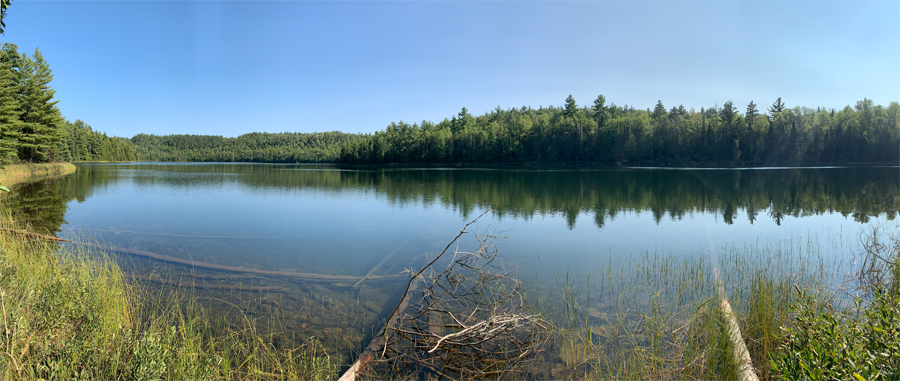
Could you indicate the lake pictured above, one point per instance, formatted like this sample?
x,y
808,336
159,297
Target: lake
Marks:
x,y
343,223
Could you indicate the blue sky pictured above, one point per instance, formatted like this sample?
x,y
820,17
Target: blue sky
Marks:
x,y
227,68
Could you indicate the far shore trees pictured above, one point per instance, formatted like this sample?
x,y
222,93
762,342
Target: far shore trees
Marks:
x,y
609,135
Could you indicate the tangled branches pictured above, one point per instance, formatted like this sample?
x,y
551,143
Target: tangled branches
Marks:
x,y
464,317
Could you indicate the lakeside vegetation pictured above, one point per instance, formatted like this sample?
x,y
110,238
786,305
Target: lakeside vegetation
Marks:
x,y
659,317
71,313
14,174
600,135
609,134
32,128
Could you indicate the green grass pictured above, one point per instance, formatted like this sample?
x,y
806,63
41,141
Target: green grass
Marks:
x,y
71,314
12,174
657,316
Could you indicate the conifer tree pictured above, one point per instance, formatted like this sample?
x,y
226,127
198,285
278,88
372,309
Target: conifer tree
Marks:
x,y
571,107
601,112
41,119
4,5
776,107
10,125
751,114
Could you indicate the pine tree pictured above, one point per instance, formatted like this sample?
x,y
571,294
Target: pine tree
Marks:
x,y
10,125
601,112
41,119
4,5
752,112
571,107
776,107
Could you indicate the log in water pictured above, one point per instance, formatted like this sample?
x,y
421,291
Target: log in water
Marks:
x,y
309,277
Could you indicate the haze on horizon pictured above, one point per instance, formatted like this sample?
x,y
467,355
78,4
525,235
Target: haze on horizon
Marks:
x,y
227,68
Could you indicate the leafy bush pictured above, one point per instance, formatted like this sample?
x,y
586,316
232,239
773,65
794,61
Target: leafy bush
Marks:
x,y
830,344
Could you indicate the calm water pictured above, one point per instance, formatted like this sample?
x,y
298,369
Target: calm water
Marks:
x,y
327,220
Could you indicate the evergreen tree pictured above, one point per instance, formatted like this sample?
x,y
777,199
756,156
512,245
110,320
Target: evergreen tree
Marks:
x,y
9,112
4,5
601,112
776,107
571,107
659,111
463,121
41,119
752,112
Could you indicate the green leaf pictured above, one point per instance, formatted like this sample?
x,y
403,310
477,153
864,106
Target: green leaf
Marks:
x,y
3,188
858,377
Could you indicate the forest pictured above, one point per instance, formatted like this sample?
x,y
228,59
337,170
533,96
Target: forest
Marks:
x,y
32,129
609,134
260,147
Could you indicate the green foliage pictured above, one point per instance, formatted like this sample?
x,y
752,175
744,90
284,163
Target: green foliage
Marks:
x,y
41,120
83,144
622,135
258,147
10,125
71,314
859,342
4,5
829,344
31,126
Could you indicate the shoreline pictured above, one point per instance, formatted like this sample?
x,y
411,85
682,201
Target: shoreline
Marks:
x,y
14,174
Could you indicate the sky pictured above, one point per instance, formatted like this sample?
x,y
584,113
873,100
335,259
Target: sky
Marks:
x,y
231,67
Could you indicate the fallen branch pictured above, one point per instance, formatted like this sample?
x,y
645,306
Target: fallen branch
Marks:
x,y
205,286
288,274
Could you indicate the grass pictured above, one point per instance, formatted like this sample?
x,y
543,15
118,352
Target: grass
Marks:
x,y
71,314
657,316
12,174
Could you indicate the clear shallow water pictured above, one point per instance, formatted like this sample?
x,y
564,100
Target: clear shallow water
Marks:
x,y
327,220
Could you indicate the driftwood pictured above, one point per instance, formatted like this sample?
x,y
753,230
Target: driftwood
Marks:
x,y
206,286
326,278
377,344
465,320
119,232
740,354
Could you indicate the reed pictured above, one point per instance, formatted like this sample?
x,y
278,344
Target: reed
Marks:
x,y
12,174
71,313
657,316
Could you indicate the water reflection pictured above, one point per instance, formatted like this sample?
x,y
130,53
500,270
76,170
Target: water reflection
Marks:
x,y
858,193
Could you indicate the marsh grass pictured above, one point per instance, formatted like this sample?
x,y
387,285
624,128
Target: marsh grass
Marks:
x,y
657,316
12,174
70,313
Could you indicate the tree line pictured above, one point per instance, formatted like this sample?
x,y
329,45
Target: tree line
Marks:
x,y
261,147
32,128
609,134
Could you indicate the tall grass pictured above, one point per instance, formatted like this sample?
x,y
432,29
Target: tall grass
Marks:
x,y
70,313
12,174
657,315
